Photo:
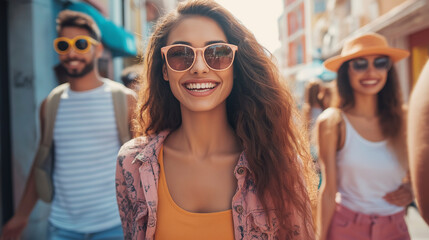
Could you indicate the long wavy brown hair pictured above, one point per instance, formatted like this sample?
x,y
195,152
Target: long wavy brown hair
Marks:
x,y
389,100
260,110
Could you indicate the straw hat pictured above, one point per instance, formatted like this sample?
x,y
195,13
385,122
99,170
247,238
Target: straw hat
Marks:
x,y
367,44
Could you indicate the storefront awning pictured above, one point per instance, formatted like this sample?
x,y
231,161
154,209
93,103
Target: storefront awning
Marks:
x,y
120,42
313,70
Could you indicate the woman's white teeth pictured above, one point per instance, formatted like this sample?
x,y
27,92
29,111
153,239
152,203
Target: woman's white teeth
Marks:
x,y
369,82
200,86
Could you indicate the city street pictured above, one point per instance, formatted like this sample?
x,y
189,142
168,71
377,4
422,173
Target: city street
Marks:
x,y
241,91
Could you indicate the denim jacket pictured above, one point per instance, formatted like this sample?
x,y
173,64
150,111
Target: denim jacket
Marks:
x,y
137,177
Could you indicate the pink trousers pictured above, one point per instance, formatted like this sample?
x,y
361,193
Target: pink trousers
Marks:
x,y
350,225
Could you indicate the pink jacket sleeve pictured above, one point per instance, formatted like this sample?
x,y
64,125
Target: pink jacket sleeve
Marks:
x,y
129,193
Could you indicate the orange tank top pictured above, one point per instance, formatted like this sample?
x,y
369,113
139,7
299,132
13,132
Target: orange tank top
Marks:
x,y
173,222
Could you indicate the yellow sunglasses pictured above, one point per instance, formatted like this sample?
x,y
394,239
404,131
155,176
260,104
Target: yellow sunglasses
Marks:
x,y
80,44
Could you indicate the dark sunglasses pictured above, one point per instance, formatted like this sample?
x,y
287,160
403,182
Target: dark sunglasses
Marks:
x,y
217,56
362,64
80,44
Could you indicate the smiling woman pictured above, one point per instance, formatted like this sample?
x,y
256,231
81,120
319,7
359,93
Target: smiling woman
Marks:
x,y
362,148
217,154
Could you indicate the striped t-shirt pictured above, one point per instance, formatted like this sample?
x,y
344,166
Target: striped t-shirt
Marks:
x,y
86,146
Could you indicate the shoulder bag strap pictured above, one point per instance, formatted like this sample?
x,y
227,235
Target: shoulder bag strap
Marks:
x,y
51,108
120,106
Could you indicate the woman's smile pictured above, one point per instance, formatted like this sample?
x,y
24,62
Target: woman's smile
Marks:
x,y
369,82
200,88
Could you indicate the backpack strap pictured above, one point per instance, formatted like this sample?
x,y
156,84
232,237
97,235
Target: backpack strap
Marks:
x,y
120,106
50,114
44,159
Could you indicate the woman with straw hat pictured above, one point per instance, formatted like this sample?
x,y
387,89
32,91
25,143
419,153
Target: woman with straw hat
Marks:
x,y
362,148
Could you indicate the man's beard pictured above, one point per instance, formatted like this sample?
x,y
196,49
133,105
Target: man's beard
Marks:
x,y
75,74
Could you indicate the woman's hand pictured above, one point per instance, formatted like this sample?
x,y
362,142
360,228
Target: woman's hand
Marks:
x,y
402,197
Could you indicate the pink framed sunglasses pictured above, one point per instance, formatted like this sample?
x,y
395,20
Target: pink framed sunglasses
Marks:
x,y
217,56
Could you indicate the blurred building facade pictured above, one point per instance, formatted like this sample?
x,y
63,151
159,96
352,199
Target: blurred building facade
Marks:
x,y
299,62
405,24
294,36
27,75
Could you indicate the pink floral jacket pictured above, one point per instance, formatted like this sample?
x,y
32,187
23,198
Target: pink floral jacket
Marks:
x,y
137,176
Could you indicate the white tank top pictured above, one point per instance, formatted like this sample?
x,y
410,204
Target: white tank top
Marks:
x,y
86,146
366,171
